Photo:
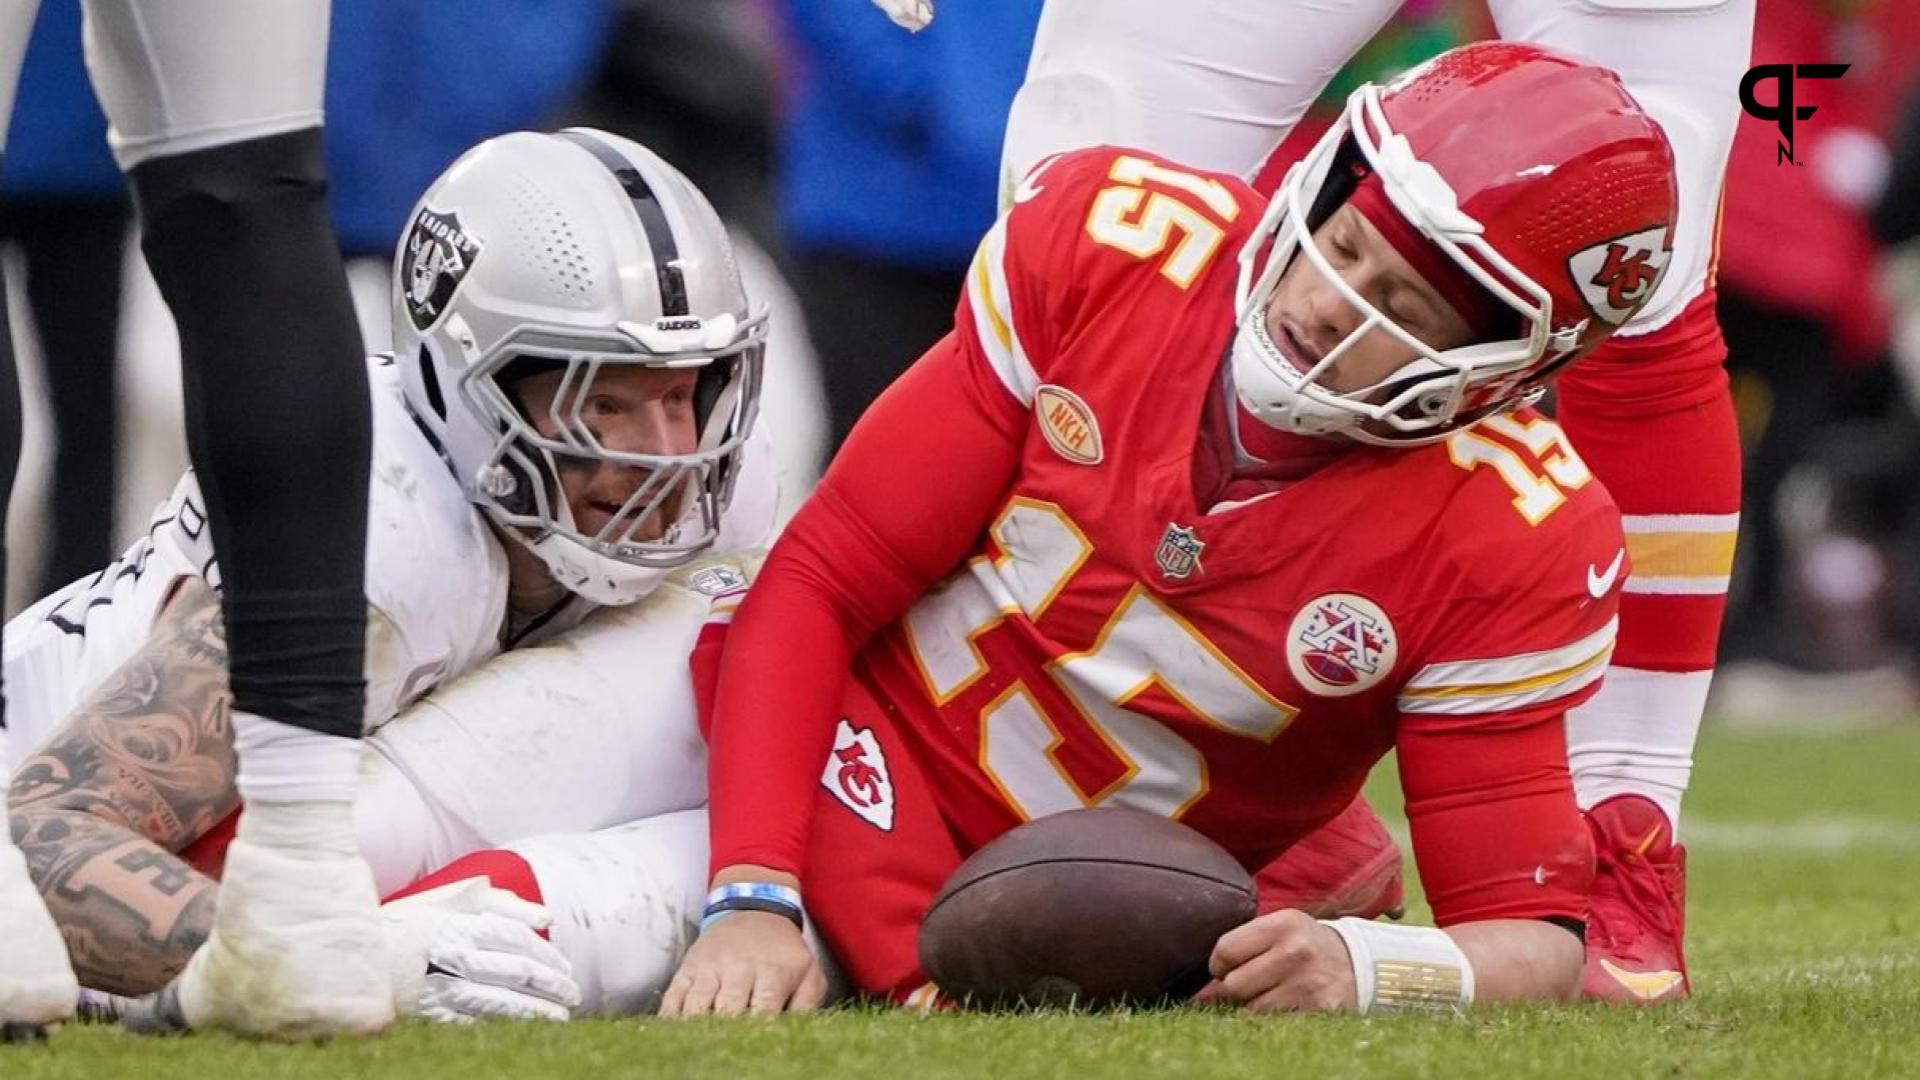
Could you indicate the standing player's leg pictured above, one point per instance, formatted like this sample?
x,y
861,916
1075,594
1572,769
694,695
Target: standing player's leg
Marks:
x,y
1214,84
1651,413
215,114
36,981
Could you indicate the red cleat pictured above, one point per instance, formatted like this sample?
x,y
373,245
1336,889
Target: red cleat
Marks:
x,y
1639,916
1349,866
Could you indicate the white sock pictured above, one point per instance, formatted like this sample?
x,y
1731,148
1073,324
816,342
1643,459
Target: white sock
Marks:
x,y
281,763
314,828
1636,736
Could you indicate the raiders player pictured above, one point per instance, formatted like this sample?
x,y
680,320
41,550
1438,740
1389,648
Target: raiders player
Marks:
x,y
564,424
215,115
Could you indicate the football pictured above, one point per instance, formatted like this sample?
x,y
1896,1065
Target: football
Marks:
x,y
1090,908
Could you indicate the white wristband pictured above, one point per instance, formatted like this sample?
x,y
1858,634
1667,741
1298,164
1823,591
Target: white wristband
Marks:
x,y
1405,968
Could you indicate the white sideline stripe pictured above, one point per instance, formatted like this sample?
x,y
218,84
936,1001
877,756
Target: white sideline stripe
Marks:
x,y
1829,969
1813,836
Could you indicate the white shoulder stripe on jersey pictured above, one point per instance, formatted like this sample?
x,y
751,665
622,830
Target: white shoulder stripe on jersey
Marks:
x,y
1508,682
991,303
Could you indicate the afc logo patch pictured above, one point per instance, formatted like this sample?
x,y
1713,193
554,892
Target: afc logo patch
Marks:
x,y
436,259
1619,276
857,775
1341,644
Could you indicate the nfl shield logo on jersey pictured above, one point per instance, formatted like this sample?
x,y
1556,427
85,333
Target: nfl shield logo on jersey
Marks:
x,y
1179,552
717,580
857,775
1341,644
437,257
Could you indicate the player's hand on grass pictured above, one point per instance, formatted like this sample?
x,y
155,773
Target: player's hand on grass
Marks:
x,y
748,962
1283,961
467,951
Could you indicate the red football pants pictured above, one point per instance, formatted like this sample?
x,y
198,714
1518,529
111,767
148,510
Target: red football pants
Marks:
x,y
869,879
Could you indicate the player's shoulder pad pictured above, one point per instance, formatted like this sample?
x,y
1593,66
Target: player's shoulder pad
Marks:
x,y
1084,232
1525,508
1535,559
1057,210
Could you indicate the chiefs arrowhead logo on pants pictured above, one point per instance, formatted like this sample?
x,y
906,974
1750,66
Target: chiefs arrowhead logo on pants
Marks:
x,y
857,775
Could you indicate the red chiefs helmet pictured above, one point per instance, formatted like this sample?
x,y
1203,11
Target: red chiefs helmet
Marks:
x,y
1532,171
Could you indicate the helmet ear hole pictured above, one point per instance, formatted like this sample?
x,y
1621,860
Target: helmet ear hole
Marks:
x,y
1349,168
524,480
430,380
709,393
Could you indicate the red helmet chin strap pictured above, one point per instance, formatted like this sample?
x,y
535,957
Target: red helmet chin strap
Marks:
x,y
1484,314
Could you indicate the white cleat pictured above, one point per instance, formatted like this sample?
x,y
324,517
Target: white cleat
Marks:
x,y
37,986
297,949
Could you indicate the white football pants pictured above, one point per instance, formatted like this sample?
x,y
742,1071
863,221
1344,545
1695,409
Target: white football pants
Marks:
x,y
176,76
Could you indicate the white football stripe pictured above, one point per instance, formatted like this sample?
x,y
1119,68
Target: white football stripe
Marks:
x,y
992,306
1503,670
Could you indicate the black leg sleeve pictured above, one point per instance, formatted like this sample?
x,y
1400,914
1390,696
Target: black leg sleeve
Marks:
x,y
73,249
277,414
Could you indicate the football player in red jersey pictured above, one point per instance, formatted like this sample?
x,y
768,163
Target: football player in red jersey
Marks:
x,y
1204,506
1217,88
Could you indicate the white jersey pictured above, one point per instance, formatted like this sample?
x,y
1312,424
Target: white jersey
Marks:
x,y
596,728
436,582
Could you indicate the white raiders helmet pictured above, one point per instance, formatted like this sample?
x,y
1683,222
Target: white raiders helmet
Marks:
x,y
578,250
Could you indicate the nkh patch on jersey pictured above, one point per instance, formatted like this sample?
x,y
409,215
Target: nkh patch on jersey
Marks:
x,y
1067,424
437,257
1341,644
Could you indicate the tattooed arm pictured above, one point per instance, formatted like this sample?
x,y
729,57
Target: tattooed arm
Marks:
x,y
141,769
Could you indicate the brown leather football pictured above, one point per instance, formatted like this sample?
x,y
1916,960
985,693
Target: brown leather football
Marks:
x,y
1092,908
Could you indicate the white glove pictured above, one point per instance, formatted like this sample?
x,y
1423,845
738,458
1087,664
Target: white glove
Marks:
x,y
911,14
468,951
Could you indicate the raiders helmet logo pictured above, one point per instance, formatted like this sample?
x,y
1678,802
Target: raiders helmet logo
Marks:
x,y
1619,276
436,259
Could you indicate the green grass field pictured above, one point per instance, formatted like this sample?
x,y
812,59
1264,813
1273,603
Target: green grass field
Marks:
x,y
1804,945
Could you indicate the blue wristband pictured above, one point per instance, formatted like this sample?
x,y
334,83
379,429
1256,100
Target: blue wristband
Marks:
x,y
754,896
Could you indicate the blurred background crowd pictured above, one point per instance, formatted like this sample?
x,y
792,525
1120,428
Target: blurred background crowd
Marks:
x,y
859,165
